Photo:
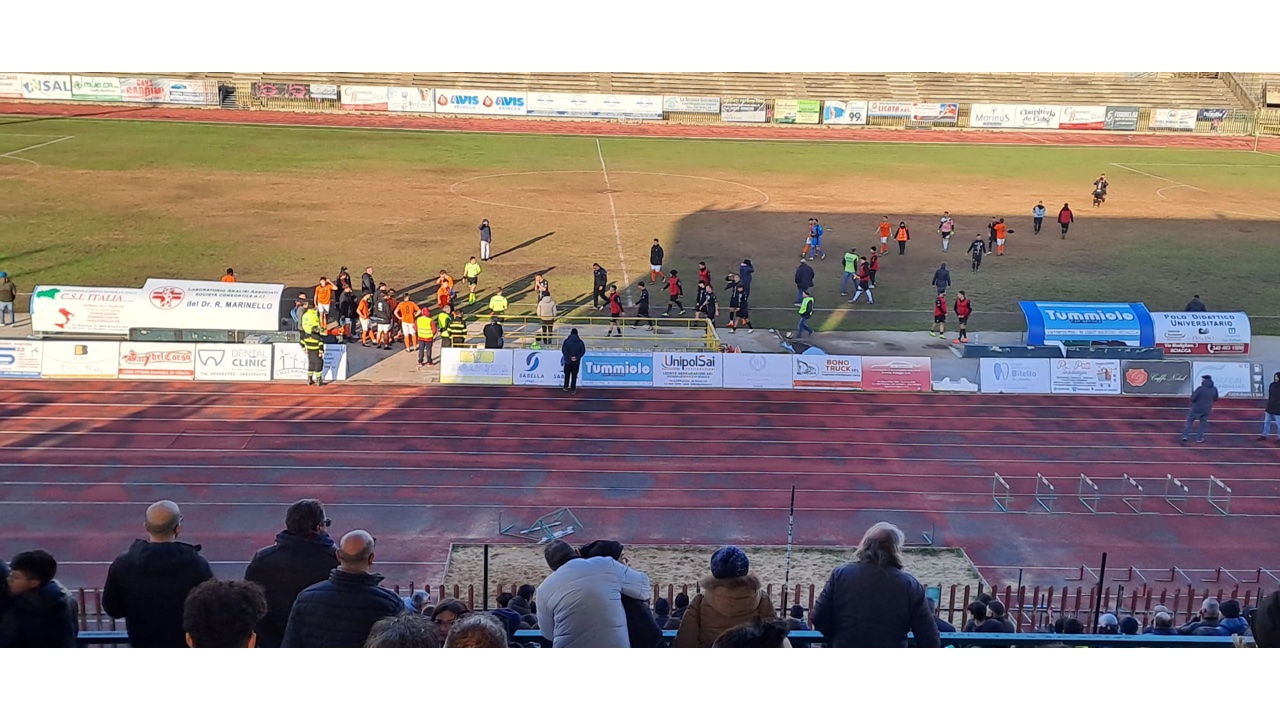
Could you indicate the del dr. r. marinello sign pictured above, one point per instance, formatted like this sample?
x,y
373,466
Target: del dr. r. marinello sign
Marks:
x,y
1129,323
160,303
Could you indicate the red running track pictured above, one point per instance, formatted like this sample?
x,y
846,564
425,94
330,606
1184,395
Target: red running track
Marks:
x,y
424,467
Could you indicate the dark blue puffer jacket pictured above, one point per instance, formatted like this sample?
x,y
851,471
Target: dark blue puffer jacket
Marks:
x,y
42,618
293,564
339,612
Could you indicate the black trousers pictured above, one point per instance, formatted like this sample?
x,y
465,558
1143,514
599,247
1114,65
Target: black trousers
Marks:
x,y
315,360
977,262
902,247
600,298
571,368
1037,222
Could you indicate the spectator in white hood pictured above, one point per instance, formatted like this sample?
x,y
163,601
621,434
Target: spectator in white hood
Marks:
x,y
580,603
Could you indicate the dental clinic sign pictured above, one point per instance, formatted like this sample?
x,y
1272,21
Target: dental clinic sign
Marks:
x,y
1129,323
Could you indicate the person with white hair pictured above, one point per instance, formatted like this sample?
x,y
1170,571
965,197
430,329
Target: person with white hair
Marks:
x,y
1207,623
874,603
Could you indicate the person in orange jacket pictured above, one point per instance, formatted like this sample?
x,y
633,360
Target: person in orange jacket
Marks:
x,y
885,230
444,290
902,236
407,312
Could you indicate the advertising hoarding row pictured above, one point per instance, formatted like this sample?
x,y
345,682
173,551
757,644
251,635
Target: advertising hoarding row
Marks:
x,y
1090,376
108,89
114,359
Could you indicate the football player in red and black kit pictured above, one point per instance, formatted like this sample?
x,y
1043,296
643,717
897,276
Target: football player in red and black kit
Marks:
x,y
674,290
963,310
615,311
939,316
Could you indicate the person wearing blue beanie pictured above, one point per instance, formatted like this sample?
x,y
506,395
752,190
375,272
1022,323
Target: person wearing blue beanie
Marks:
x,y
730,597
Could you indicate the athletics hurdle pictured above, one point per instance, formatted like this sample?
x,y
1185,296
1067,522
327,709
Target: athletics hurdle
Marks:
x,y
1134,502
1000,493
1176,494
1222,503
1046,494
1088,493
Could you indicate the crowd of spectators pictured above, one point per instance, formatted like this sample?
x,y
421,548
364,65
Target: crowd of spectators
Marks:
x,y
305,590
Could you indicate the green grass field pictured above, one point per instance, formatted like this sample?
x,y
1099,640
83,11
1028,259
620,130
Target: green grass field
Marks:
x,y
121,201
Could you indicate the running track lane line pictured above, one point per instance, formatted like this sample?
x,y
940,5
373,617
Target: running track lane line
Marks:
x,y
613,214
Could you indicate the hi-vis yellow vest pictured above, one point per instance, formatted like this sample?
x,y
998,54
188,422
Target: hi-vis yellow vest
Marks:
x,y
423,324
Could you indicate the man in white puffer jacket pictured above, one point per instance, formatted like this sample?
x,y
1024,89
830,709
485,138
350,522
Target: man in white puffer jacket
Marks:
x,y
580,603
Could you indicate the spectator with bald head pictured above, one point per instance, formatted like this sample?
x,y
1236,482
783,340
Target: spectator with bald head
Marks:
x,y
340,612
149,584
302,556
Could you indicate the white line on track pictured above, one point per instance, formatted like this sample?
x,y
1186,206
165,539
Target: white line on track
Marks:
x,y
613,214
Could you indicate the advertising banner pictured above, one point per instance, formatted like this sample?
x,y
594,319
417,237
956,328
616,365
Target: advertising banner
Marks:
x,y
1083,117
1040,117
1020,376
544,368
617,369
1211,114
1233,379
284,91
106,89
19,359
482,102
10,85
1173,119
142,90
889,108
324,92
595,105
797,112
358,97
239,363
191,92
688,369
462,366
46,87
993,116
758,371
407,99
290,363
844,112
1129,323
1119,117
897,374
1156,377
690,104
174,304
935,112
1085,376
86,359
157,361
835,372
744,110
1206,333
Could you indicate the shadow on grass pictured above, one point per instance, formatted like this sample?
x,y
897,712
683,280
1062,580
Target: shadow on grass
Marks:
x,y
522,245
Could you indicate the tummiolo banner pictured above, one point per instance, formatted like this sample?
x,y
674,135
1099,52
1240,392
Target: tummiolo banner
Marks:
x,y
1173,119
190,92
993,116
844,112
10,85
1206,333
889,108
359,97
691,104
754,110
935,112
106,89
408,99
455,101
142,90
1083,117
157,361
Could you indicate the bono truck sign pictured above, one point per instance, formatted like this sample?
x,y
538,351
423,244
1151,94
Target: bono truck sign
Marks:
x,y
1202,333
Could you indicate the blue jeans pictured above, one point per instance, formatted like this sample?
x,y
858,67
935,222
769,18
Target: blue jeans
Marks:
x,y
424,350
7,315
802,327
844,280
799,295
1191,418
1267,420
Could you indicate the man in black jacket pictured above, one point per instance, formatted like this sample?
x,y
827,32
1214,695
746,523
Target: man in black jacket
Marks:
x,y
572,351
302,556
600,285
872,603
493,335
367,285
149,584
656,254
804,280
43,614
340,611
1272,413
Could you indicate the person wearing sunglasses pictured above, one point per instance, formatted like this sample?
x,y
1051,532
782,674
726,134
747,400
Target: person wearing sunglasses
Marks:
x,y
303,555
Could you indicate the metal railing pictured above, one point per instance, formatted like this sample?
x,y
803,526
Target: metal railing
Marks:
x,y
690,334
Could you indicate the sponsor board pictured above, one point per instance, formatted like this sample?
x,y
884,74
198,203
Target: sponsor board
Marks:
x,y
1211,114
1015,375
838,372
595,105
462,366
1121,117
1085,376
10,85
935,112
744,110
249,363
993,116
1047,322
889,108
1083,117
172,304
408,99
797,112
157,361
616,369
690,104
142,90
688,369
844,112
482,102
1155,377
19,359
289,362
45,87
759,371
94,359
1173,119
538,367
1233,379
1039,116
1202,333
105,89
361,97
191,92
324,92
281,91
897,374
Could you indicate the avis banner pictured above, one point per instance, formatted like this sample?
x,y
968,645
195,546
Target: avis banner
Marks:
x,y
1083,117
157,361
1173,119
481,102
364,98
844,112
1202,333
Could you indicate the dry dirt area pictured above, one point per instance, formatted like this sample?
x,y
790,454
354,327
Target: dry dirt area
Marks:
x,y
686,564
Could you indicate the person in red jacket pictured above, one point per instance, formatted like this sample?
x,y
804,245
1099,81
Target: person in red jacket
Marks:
x,y
873,265
1065,218
939,328
963,310
704,274
674,291
615,311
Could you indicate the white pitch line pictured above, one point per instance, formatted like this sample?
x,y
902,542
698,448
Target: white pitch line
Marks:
x,y
12,153
613,213
1213,165
1157,177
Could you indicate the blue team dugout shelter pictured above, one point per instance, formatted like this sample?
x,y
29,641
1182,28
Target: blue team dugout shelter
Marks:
x,y
1079,322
